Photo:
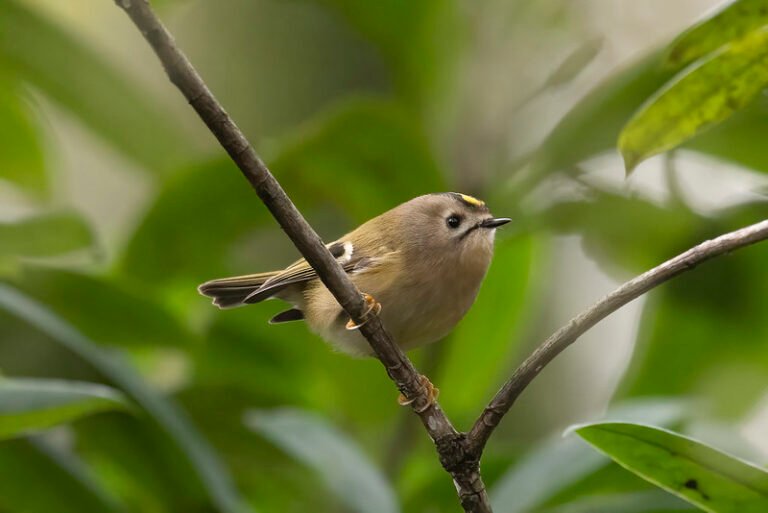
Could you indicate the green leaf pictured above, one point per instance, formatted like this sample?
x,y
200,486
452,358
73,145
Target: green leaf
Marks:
x,y
73,75
21,157
45,235
542,473
40,479
710,479
168,416
701,96
593,125
733,21
343,467
34,404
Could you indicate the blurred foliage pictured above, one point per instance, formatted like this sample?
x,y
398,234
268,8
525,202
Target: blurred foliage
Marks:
x,y
27,404
420,41
21,157
345,470
44,234
229,414
69,487
701,343
38,52
499,333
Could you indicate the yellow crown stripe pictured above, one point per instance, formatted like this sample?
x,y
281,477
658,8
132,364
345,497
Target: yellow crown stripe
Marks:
x,y
472,200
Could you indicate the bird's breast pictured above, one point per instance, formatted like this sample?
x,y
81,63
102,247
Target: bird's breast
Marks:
x,y
419,305
430,304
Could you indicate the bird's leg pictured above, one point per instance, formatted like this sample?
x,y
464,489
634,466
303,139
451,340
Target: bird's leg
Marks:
x,y
432,394
371,305
374,307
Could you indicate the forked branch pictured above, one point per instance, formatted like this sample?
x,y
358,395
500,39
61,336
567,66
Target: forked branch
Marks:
x,y
459,453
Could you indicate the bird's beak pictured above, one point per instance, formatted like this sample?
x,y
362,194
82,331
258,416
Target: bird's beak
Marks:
x,y
494,222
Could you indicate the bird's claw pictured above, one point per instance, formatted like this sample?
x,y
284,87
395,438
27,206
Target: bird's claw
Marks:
x,y
432,394
372,306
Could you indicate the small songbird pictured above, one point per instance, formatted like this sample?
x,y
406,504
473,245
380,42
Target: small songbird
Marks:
x,y
419,266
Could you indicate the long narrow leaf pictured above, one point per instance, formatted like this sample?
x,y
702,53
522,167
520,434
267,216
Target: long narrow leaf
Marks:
x,y
699,97
33,404
342,465
593,125
735,20
710,479
21,155
168,415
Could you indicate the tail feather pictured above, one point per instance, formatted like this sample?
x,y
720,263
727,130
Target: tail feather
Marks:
x,y
237,290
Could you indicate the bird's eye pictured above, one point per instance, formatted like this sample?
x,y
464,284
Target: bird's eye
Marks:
x,y
453,221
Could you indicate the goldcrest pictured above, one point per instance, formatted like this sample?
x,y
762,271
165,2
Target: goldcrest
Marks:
x,y
420,266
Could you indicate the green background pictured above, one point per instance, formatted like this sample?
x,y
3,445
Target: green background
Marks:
x,y
115,203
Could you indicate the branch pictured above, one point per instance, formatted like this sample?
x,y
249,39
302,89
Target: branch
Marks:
x,y
449,443
459,453
567,335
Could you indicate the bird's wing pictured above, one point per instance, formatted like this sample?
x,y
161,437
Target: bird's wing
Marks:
x,y
300,271
253,288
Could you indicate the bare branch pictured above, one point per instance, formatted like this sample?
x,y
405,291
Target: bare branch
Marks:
x,y
449,443
568,334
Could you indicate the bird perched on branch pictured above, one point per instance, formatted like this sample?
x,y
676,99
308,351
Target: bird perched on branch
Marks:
x,y
419,265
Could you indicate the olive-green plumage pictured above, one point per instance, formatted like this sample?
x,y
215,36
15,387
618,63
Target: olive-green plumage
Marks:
x,y
423,262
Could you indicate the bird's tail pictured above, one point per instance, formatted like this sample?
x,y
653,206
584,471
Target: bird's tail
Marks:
x,y
231,292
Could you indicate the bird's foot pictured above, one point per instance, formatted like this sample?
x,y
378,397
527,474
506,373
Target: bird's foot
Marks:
x,y
432,394
371,307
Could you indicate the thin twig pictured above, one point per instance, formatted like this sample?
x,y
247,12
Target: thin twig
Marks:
x,y
567,335
449,443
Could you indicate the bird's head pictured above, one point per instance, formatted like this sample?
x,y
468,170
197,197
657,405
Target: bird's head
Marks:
x,y
449,224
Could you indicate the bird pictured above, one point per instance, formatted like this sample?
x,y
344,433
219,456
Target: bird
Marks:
x,y
419,266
